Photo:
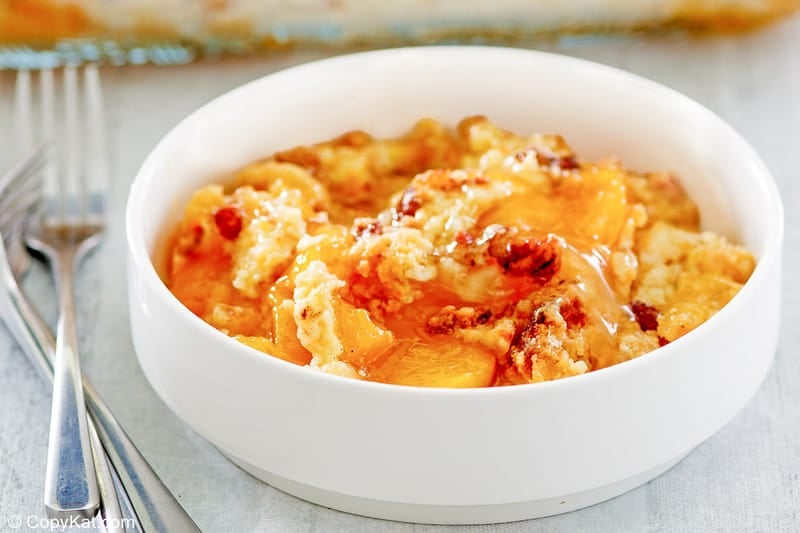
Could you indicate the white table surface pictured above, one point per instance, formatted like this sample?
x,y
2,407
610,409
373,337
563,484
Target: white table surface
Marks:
x,y
746,478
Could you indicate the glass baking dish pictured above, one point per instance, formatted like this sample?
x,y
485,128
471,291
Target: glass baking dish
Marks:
x,y
44,32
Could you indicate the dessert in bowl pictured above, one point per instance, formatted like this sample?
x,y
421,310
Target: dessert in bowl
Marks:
x,y
447,455
465,258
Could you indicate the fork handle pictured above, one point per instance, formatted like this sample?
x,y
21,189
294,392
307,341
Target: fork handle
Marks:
x,y
70,485
156,508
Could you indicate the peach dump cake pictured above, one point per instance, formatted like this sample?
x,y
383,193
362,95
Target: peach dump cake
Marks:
x,y
464,258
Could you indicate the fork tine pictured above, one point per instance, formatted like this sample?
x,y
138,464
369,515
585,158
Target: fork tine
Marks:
x,y
6,99
20,187
51,191
71,156
96,174
23,97
24,168
21,198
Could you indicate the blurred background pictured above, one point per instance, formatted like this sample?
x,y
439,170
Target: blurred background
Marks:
x,y
36,32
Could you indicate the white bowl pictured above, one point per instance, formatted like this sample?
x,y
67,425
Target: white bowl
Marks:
x,y
476,455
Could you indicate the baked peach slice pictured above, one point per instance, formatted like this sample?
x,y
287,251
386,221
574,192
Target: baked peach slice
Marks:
x,y
298,356
440,364
590,204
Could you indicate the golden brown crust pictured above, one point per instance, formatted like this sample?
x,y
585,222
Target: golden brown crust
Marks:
x,y
521,255
47,21
450,318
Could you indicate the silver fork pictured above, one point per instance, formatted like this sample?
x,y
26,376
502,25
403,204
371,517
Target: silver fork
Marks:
x,y
155,507
145,496
20,191
72,221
